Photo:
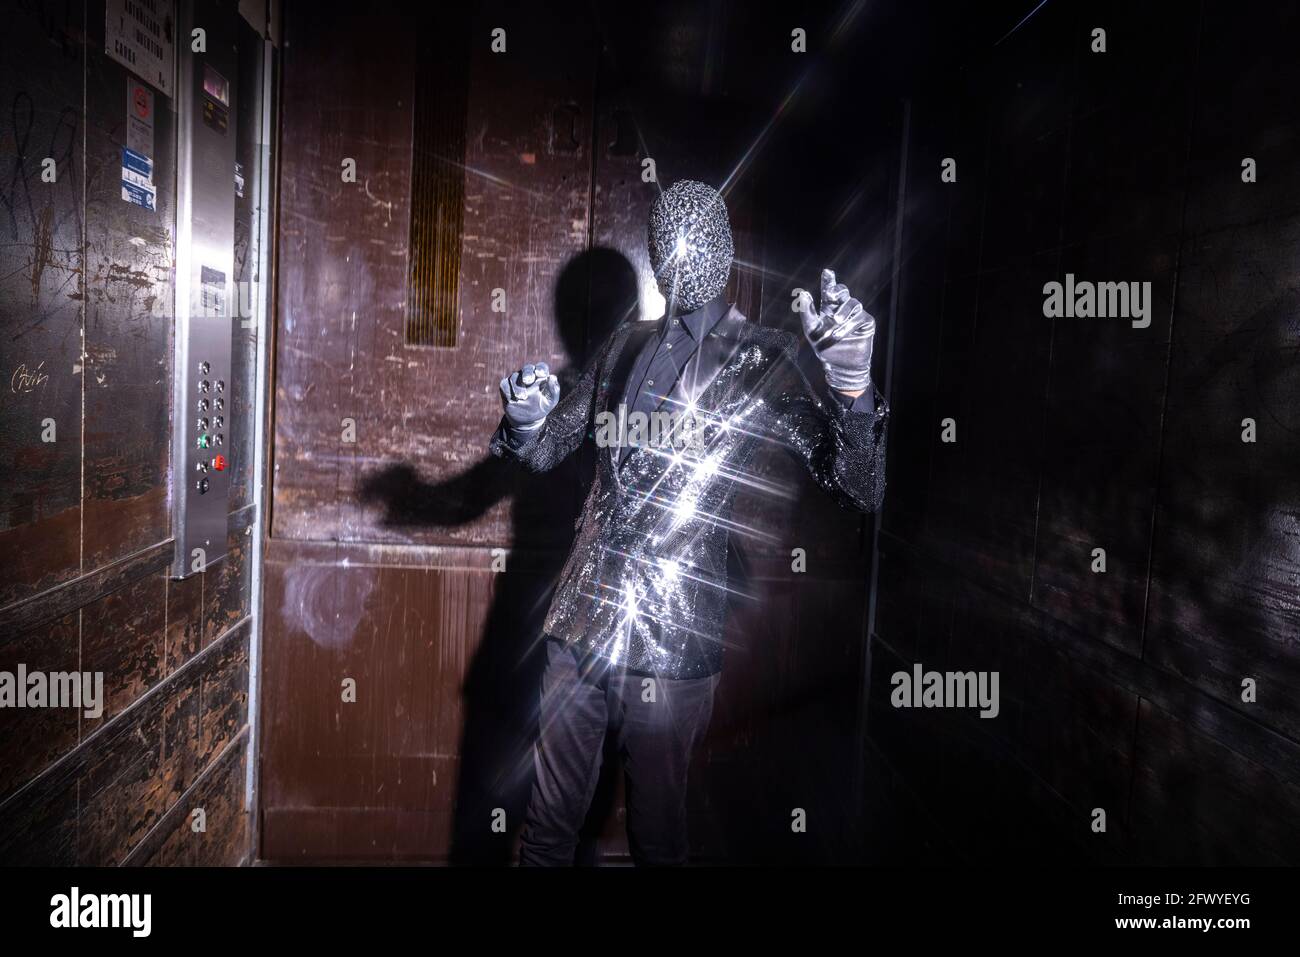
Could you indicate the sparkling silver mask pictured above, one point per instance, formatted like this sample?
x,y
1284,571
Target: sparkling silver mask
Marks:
x,y
690,244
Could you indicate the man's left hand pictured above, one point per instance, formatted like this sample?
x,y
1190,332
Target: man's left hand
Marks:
x,y
841,332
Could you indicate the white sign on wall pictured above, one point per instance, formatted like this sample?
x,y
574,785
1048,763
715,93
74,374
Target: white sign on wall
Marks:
x,y
141,35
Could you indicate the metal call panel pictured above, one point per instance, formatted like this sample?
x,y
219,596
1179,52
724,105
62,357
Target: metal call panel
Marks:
x,y
206,297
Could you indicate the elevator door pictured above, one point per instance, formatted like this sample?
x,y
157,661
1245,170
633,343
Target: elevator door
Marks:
x,y
407,573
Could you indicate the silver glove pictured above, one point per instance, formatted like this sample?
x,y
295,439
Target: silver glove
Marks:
x,y
528,396
841,332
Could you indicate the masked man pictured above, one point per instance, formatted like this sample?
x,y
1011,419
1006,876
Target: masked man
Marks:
x,y
634,631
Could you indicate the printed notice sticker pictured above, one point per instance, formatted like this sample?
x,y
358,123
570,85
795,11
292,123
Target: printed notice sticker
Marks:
x,y
137,179
212,292
142,37
139,117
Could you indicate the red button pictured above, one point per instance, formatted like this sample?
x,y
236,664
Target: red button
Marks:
x,y
219,463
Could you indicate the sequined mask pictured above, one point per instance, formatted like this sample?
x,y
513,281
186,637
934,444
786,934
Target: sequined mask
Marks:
x,y
690,244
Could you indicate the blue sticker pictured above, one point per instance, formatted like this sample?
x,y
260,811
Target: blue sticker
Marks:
x,y
137,163
137,179
138,195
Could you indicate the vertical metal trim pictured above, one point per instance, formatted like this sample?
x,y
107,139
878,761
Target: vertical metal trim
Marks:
x,y
265,207
183,295
205,288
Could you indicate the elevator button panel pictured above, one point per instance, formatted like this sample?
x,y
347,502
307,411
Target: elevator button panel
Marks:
x,y
205,283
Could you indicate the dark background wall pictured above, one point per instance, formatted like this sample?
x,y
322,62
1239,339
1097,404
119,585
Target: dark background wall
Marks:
x,y
1121,690
85,529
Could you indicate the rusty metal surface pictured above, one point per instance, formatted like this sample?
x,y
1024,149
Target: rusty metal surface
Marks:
x,y
220,792
100,805
130,257
34,738
84,528
93,270
344,260
41,299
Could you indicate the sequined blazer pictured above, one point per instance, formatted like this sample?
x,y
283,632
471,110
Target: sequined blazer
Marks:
x,y
645,584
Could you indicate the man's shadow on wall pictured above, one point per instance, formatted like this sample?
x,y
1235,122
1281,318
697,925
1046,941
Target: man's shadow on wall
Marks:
x,y
595,291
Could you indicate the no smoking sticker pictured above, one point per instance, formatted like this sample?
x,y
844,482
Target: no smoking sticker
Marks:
x,y
139,117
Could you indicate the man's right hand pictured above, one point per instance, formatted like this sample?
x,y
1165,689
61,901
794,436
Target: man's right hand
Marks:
x,y
529,395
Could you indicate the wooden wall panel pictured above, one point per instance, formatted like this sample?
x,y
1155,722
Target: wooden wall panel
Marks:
x,y
227,583
1101,450
39,827
1063,735
783,733
1120,690
123,635
225,842
1185,784
341,774
439,646
327,301
33,739
1243,112
341,347
1225,575
124,791
127,790
185,620
1225,564
103,802
972,790
1107,392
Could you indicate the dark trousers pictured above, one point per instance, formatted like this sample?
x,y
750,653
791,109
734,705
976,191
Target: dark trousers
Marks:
x,y
657,722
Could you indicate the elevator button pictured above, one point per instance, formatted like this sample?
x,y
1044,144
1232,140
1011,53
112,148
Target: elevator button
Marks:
x,y
203,486
221,404
203,405
204,385
203,442
203,368
203,424
200,466
219,463
221,385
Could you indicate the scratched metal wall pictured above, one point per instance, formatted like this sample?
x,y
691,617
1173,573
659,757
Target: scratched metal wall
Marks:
x,y
86,281
1123,690
379,567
